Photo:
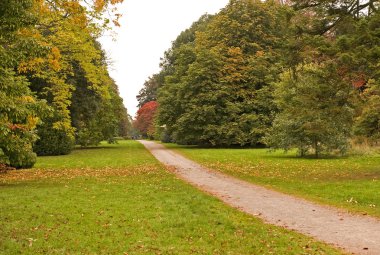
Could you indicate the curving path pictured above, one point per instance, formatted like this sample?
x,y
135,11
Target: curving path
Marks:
x,y
355,234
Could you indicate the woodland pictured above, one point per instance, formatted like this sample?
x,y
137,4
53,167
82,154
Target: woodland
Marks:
x,y
55,90
301,76
298,74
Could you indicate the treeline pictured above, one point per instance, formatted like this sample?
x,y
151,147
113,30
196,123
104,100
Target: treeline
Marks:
x,y
299,75
55,90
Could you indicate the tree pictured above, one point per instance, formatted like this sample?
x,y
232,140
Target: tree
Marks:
x,y
218,92
149,91
315,111
333,16
367,124
41,42
174,68
19,114
145,119
20,110
358,55
73,78
331,33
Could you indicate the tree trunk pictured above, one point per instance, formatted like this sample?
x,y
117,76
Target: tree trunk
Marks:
x,y
316,148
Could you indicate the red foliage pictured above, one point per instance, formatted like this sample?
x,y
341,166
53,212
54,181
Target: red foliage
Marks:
x,y
359,83
145,117
15,127
4,168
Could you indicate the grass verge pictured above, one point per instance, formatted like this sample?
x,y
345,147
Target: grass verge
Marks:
x,y
351,182
117,199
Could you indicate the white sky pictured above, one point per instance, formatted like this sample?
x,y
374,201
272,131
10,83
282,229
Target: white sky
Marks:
x,y
147,29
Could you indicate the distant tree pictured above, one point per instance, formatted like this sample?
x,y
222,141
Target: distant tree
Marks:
x,y
96,116
144,121
125,125
315,112
149,91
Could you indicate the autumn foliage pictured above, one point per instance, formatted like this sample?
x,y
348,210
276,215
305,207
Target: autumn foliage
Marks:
x,y
297,75
145,118
55,88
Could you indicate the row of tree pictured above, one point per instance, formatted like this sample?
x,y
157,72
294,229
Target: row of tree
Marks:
x,y
303,74
55,90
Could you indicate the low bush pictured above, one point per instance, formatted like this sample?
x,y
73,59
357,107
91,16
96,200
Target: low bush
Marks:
x,y
53,141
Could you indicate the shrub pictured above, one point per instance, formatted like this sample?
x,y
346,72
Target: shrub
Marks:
x,y
53,141
25,158
87,137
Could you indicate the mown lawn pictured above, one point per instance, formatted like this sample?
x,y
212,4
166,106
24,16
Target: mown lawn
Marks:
x,y
350,182
117,199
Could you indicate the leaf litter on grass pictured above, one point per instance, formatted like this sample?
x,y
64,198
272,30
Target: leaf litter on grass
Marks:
x,y
41,174
91,212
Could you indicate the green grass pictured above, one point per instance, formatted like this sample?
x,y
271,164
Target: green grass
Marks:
x,y
121,155
351,182
117,199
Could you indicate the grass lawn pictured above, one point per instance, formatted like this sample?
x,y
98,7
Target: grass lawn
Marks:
x,y
117,199
349,182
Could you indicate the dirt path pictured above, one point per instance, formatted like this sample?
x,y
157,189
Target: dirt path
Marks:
x,y
355,234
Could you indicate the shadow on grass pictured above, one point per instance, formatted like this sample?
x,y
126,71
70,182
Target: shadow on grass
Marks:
x,y
12,183
96,147
234,147
270,154
274,154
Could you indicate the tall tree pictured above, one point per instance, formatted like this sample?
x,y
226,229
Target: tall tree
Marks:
x,y
340,35
368,121
315,111
40,44
149,91
222,95
174,68
20,110
145,117
76,80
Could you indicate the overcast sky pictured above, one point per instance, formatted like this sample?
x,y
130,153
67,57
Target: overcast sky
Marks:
x,y
147,29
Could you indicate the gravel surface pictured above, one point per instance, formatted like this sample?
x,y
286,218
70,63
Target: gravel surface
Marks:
x,y
354,233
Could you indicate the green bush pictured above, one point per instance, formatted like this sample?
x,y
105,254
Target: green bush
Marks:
x,y
162,134
19,113
25,158
87,137
53,141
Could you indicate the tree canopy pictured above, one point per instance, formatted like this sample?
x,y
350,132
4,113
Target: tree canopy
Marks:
x,y
218,91
59,71
302,74
144,121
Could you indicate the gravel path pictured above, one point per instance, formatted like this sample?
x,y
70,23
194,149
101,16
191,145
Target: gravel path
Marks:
x,y
355,234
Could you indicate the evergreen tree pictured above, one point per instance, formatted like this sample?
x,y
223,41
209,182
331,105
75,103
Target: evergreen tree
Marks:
x,y
315,111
